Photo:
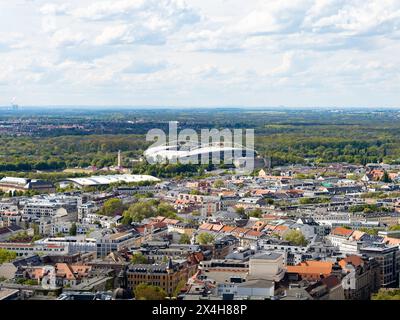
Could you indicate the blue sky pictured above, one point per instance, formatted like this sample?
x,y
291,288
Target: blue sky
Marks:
x,y
200,52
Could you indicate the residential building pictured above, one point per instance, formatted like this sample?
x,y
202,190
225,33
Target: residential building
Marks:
x,y
115,242
165,275
388,258
361,277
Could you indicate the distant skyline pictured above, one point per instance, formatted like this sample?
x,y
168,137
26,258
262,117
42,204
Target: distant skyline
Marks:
x,y
228,53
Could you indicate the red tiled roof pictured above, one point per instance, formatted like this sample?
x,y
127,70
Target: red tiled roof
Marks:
x,y
392,241
227,229
353,259
280,228
206,226
312,267
262,191
272,217
295,191
343,232
240,230
37,273
170,221
156,225
63,270
330,281
217,227
357,234
253,233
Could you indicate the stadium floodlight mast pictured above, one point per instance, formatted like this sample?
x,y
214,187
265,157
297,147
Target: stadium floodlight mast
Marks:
x,y
187,147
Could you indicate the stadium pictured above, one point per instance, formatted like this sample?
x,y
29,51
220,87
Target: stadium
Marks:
x,y
200,154
95,181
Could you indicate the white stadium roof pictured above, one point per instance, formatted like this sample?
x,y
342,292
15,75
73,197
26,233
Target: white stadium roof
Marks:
x,y
171,152
105,180
13,180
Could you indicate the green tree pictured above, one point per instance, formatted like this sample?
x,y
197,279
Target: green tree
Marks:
x,y
127,219
147,209
139,258
36,237
385,294
36,230
6,255
181,284
395,227
145,291
166,210
270,201
72,230
218,183
20,236
185,239
112,207
385,177
140,210
31,282
195,213
371,231
240,211
205,238
305,200
256,213
295,237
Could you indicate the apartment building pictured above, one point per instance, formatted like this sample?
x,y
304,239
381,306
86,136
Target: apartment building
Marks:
x,y
388,258
166,275
27,249
116,242
73,244
361,277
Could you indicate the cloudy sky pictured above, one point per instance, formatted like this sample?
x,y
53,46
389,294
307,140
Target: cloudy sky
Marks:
x,y
200,52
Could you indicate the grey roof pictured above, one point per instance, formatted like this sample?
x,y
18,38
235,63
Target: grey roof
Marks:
x,y
267,256
33,260
371,238
5,293
256,283
14,227
153,268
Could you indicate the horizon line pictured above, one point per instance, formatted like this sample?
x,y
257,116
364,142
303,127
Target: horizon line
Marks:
x,y
140,107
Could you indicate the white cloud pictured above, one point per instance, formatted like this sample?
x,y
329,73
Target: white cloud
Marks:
x,y
67,38
119,22
361,17
274,16
207,51
323,24
112,34
54,9
108,9
146,67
